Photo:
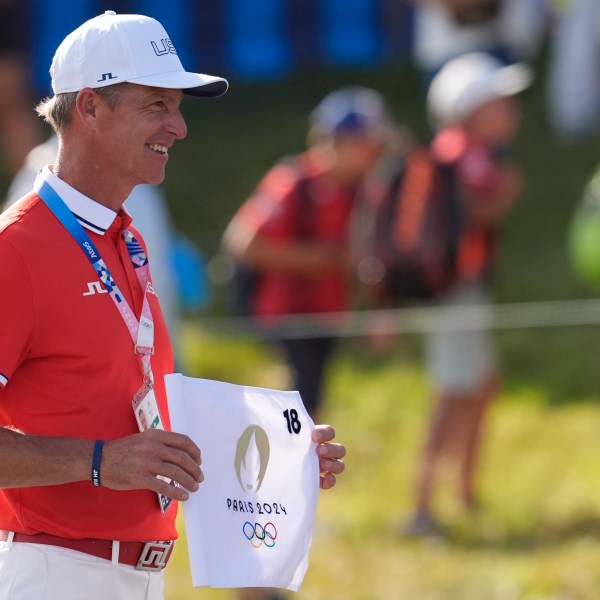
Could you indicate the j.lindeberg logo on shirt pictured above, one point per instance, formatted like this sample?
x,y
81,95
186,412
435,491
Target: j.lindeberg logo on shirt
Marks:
x,y
94,287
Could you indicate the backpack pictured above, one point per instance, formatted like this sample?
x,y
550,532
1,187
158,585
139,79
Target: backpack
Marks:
x,y
407,230
243,278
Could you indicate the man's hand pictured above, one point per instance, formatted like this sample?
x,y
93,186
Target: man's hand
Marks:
x,y
133,462
330,455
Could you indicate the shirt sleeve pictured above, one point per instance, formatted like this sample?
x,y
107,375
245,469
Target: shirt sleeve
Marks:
x,y
270,209
16,311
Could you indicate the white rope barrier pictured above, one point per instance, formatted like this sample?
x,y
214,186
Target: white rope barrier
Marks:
x,y
520,315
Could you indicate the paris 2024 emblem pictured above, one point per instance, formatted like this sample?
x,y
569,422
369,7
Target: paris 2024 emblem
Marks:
x,y
252,458
252,455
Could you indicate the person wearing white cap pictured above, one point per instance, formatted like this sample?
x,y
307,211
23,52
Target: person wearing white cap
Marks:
x,y
472,103
511,30
87,501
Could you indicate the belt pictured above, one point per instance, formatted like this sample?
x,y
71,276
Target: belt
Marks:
x,y
146,556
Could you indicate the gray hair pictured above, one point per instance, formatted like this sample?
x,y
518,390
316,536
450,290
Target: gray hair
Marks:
x,y
58,110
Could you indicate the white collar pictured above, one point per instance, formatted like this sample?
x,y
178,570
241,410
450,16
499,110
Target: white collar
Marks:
x,y
89,213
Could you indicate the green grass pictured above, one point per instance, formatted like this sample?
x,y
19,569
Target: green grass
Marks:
x,y
535,536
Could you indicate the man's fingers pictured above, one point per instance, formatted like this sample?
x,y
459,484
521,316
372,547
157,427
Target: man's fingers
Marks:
x,y
166,489
323,433
173,461
135,462
175,473
327,465
177,464
327,481
330,455
181,442
333,451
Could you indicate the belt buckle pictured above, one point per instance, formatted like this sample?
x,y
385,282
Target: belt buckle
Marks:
x,y
154,556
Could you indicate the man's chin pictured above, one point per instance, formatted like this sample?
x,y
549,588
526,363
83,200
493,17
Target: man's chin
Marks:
x,y
155,178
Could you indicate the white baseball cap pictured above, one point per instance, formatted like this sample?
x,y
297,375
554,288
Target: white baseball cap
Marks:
x,y
465,83
114,48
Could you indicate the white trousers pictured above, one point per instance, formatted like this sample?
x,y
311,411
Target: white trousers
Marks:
x,y
40,572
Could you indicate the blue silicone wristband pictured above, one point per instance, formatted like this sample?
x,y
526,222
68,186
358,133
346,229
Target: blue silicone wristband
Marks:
x,y
96,460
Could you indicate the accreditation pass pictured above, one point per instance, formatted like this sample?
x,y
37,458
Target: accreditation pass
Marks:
x,y
147,416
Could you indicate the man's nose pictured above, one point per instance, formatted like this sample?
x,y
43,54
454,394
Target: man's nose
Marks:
x,y
177,125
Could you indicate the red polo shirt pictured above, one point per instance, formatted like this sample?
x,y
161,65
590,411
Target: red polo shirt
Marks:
x,y
297,201
67,365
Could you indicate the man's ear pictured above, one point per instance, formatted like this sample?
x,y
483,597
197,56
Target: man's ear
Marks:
x,y
86,106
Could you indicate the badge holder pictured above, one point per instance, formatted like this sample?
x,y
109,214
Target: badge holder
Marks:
x,y
147,416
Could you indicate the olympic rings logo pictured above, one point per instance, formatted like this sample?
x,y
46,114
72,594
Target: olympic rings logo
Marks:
x,y
259,535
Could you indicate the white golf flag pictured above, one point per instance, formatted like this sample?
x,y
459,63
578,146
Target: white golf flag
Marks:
x,y
250,523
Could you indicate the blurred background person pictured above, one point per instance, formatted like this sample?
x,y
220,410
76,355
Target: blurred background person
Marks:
x,y
573,92
19,127
292,232
473,106
511,30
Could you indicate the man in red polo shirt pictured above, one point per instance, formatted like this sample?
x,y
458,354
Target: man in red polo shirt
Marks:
x,y
293,230
86,505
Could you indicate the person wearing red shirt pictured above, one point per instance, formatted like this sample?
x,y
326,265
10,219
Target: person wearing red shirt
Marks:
x,y
87,501
473,105
293,230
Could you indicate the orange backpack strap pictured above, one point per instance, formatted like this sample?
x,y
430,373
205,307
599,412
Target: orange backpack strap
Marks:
x,y
415,190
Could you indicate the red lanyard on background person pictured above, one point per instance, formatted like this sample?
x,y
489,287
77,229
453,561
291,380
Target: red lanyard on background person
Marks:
x,y
142,331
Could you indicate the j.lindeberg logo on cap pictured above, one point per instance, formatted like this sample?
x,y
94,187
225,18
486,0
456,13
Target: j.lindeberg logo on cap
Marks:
x,y
106,77
165,46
